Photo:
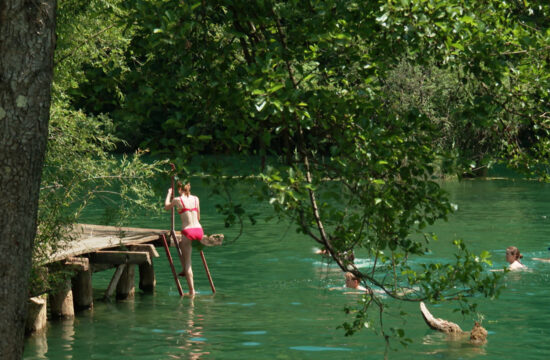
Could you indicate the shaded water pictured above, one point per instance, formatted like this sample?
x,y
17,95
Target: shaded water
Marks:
x,y
274,297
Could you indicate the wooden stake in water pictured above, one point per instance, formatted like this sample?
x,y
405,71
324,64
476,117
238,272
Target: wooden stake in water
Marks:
x,y
169,256
172,228
208,272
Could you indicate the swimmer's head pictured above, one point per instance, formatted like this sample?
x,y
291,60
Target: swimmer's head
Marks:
x,y
351,280
512,253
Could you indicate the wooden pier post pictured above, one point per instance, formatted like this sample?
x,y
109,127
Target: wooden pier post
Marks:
x,y
36,314
83,295
126,288
81,292
114,281
147,279
61,303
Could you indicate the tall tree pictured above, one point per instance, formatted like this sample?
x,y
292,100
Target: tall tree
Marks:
x,y
27,42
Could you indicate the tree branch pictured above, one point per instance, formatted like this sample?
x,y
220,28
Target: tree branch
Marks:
x,y
82,43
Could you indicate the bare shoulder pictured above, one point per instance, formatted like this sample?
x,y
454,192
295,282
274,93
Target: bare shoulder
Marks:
x,y
516,265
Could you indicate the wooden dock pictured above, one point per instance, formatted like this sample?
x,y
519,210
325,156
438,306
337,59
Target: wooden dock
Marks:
x,y
98,248
92,238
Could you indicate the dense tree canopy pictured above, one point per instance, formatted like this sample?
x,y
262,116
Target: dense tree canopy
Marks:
x,y
204,70
355,107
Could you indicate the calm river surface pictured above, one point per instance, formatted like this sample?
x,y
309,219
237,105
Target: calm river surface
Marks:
x,y
274,301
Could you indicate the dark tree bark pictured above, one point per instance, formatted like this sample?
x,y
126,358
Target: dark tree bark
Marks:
x,y
27,42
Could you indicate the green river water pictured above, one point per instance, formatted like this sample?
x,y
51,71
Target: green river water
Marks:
x,y
273,298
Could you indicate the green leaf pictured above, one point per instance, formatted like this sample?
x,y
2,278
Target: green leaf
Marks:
x,y
275,88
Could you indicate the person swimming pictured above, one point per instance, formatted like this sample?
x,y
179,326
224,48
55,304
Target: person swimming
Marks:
x,y
347,255
542,259
513,257
352,282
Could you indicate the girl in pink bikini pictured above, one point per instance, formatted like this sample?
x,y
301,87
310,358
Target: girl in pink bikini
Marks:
x,y
188,207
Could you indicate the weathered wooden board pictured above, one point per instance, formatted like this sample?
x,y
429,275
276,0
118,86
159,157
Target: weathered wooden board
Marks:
x,y
212,240
150,248
120,257
78,263
114,281
91,238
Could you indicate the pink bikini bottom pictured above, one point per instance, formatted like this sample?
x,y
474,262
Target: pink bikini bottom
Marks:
x,y
193,233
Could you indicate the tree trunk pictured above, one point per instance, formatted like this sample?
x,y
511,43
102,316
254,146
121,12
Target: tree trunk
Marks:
x,y
27,42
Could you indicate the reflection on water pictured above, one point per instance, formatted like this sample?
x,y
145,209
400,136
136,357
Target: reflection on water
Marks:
x,y
38,342
194,342
450,346
273,301
67,334
317,348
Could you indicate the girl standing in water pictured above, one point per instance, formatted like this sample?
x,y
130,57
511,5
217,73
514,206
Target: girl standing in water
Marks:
x,y
188,207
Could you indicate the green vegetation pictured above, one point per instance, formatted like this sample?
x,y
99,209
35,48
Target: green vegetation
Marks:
x,y
80,165
363,106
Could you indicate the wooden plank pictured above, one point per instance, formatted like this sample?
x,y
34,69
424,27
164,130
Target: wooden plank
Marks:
x,y
114,281
91,238
150,248
120,257
101,267
92,230
77,263
86,246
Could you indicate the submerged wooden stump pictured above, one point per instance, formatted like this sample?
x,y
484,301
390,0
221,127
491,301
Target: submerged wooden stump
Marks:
x,y
437,323
478,335
212,240
36,314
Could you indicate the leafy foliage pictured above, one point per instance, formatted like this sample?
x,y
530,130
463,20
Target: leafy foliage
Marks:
x,y
79,167
362,105
78,170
